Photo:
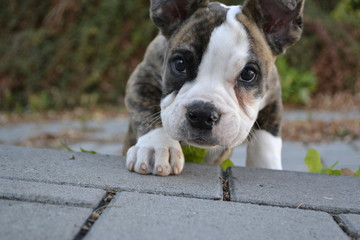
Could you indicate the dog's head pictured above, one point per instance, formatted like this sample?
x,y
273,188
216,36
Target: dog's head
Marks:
x,y
219,64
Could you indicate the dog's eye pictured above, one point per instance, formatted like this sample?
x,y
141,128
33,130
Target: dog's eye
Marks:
x,y
248,74
178,65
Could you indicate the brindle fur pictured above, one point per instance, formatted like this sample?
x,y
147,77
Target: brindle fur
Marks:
x,y
194,24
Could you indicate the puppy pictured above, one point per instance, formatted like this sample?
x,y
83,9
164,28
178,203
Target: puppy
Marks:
x,y
209,80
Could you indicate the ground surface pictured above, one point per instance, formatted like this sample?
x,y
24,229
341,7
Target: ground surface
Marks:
x,y
52,194
334,134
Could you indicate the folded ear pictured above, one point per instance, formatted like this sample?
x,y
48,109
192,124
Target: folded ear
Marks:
x,y
169,14
280,20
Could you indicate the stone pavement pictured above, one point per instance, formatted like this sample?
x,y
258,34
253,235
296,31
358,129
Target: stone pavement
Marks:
x,y
56,194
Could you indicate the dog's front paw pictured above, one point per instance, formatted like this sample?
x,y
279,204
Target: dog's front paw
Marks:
x,y
156,153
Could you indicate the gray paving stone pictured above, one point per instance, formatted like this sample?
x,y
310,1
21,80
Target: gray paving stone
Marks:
x,y
352,224
239,156
20,132
148,216
24,220
110,148
356,144
293,155
50,193
113,129
100,148
284,188
296,115
86,145
99,171
338,151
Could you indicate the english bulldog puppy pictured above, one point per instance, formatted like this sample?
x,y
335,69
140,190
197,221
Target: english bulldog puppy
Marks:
x,y
209,80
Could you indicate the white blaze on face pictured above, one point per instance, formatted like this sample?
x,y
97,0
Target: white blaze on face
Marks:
x,y
226,55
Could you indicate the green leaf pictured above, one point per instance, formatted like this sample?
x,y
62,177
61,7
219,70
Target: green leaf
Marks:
x,y
86,151
194,154
330,171
63,144
313,161
335,172
357,173
334,165
226,164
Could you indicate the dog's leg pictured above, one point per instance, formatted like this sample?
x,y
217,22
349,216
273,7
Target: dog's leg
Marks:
x,y
264,150
156,153
149,148
264,146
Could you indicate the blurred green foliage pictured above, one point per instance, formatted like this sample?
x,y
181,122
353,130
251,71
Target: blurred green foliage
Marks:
x,y
329,48
64,53
314,164
297,85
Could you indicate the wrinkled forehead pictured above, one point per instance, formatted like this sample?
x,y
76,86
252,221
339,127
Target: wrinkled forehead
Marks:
x,y
195,33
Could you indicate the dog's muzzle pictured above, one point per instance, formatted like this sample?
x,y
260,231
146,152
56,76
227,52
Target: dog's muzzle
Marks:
x,y
202,115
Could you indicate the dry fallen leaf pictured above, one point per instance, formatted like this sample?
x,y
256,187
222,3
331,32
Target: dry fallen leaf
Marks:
x,y
347,172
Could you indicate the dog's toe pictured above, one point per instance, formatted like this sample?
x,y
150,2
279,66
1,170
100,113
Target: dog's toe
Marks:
x,y
158,161
131,158
143,163
176,160
160,157
162,166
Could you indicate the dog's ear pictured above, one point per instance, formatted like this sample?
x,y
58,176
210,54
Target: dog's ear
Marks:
x,y
169,14
280,20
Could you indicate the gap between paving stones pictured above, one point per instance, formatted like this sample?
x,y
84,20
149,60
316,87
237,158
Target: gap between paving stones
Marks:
x,y
105,204
343,226
111,193
301,206
226,182
95,215
226,186
48,202
226,197
107,187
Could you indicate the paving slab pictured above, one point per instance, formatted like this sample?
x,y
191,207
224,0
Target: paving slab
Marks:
x,y
351,223
327,116
293,155
347,156
26,220
239,155
111,148
148,216
113,129
336,194
99,171
356,144
50,193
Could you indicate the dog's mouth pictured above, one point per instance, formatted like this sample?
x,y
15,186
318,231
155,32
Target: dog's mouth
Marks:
x,y
201,138
201,142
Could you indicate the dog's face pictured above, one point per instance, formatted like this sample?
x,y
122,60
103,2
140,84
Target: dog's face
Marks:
x,y
218,70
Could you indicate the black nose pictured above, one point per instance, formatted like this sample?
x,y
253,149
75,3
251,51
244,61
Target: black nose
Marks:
x,y
202,115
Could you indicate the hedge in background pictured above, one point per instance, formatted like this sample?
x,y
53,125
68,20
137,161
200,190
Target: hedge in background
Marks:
x,y
65,53
56,54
